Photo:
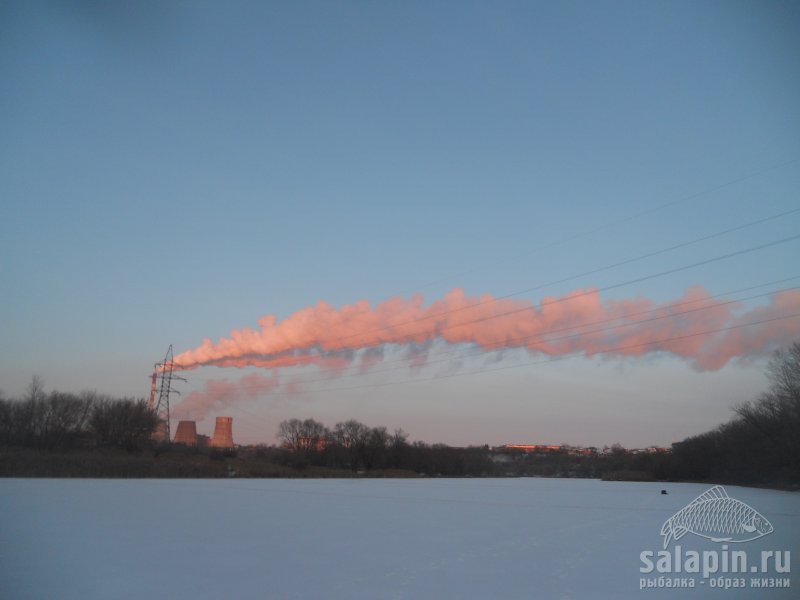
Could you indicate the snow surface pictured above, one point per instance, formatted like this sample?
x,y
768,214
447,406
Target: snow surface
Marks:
x,y
359,538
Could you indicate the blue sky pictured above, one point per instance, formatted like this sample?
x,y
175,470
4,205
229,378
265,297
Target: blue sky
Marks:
x,y
173,171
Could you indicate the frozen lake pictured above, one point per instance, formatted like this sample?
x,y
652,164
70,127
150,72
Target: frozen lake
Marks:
x,y
388,538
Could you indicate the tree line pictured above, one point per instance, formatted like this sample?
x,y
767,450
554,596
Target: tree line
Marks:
x,y
355,446
760,444
60,421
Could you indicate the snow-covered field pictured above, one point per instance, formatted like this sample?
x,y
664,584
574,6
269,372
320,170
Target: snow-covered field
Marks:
x,y
427,538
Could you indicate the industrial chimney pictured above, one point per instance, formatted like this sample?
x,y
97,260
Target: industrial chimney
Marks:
x,y
223,433
186,433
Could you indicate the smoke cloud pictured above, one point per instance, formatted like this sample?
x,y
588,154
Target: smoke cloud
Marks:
x,y
221,393
331,338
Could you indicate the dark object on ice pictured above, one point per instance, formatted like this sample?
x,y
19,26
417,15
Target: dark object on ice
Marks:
x,y
663,492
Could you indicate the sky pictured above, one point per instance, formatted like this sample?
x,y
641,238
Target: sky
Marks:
x,y
176,172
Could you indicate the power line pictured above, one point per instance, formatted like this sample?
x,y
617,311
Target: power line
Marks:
x,y
622,284
622,220
608,267
564,357
455,352
551,359
554,301
605,268
503,346
572,297
341,339
535,363
671,306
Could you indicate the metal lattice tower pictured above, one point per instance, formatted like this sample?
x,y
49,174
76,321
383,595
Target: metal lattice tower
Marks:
x,y
163,371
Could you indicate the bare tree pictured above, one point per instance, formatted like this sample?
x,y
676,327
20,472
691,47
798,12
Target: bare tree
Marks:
x,y
64,419
374,455
289,433
304,436
35,389
399,437
7,425
775,416
352,437
398,451
55,420
127,423
784,375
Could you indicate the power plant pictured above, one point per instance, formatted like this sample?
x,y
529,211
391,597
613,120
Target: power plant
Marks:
x,y
223,433
186,433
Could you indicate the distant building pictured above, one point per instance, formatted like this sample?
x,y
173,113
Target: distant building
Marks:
x,y
546,449
530,448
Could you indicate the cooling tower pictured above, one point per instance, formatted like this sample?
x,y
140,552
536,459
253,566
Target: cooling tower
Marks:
x,y
186,433
223,433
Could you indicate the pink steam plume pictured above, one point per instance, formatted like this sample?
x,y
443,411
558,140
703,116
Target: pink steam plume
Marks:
x,y
329,338
219,394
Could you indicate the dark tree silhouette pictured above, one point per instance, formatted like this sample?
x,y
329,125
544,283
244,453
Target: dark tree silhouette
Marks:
x,y
125,423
